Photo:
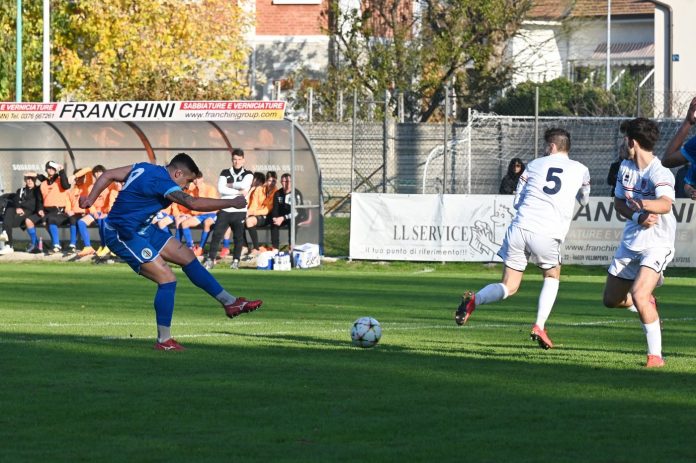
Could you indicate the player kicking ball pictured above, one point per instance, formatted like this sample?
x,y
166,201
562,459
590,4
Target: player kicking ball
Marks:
x,y
644,194
544,200
128,232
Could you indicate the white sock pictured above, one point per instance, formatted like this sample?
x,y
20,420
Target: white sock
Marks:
x,y
632,308
225,298
163,333
653,333
547,297
492,293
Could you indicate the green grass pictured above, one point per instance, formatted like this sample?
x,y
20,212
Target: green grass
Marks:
x,y
336,236
79,380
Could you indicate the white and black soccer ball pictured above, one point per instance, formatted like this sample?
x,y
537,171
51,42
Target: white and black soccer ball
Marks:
x,y
366,332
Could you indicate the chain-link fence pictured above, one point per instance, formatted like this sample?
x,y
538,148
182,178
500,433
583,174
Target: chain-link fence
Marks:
x,y
460,158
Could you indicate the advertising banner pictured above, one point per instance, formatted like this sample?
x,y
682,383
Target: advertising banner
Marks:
x,y
471,228
144,111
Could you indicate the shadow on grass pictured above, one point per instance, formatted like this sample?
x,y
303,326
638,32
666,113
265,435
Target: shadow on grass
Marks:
x,y
298,398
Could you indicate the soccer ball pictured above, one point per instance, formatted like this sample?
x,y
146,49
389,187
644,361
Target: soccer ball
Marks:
x,y
366,332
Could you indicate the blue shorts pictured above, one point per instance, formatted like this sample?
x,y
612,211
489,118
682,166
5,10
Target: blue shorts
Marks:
x,y
137,249
206,216
203,217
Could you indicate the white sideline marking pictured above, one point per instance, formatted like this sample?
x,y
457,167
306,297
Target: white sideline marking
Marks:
x,y
387,326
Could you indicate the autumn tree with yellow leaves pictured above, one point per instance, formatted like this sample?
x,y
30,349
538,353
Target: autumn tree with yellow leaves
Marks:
x,y
108,50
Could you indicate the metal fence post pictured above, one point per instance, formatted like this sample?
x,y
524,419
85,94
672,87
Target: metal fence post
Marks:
x,y
468,149
339,106
444,142
385,142
293,206
536,122
401,107
352,145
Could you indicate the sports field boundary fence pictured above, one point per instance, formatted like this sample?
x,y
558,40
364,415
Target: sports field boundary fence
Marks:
x,y
454,158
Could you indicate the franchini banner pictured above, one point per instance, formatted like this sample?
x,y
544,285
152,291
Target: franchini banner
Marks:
x,y
471,228
144,111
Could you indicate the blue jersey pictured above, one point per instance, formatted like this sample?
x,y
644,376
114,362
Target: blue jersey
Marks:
x,y
690,176
689,150
143,195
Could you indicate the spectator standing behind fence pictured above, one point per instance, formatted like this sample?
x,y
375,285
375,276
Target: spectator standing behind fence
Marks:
x,y
232,183
509,182
25,202
260,206
282,209
611,176
54,193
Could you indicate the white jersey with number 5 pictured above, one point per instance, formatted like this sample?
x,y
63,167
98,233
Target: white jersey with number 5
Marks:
x,y
546,194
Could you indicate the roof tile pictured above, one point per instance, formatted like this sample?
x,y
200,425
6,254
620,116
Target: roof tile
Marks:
x,y
556,9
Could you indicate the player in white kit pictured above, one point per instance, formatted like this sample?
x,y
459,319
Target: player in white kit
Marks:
x,y
545,200
644,195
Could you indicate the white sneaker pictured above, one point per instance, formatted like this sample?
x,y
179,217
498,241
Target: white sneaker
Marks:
x,y
6,250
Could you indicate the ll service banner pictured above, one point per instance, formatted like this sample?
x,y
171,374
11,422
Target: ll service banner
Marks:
x,y
471,228
144,111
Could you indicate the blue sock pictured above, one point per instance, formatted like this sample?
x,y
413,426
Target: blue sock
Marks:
x,y
84,233
177,234
204,238
225,243
202,278
188,237
53,231
32,235
73,234
164,303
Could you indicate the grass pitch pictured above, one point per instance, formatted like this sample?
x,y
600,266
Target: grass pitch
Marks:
x,y
79,380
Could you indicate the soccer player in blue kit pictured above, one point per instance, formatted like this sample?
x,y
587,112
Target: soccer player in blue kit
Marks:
x,y
129,233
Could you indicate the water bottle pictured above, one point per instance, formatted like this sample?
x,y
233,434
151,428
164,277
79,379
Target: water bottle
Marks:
x,y
40,244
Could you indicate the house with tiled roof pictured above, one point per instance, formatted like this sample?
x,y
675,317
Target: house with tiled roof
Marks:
x,y
559,38
577,39
568,38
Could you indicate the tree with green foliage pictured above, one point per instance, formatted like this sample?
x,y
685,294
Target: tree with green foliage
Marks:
x,y
32,32
561,97
131,50
385,46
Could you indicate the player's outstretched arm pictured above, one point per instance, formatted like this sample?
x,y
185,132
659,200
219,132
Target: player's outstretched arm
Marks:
x,y
673,156
118,174
205,204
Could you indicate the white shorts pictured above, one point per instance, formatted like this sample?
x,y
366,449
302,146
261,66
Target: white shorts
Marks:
x,y
522,246
627,263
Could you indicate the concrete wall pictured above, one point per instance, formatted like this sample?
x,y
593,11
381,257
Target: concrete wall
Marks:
x,y
674,22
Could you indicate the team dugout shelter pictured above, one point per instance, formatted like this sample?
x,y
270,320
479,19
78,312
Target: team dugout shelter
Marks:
x,y
114,134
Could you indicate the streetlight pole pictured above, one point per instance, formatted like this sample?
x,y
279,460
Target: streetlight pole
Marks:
x,y
18,69
46,51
